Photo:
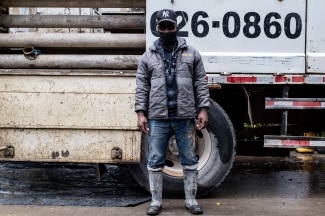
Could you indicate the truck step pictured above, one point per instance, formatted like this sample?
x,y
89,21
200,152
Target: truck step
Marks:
x,y
272,141
294,103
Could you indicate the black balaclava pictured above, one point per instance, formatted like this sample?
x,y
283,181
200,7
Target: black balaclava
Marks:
x,y
168,41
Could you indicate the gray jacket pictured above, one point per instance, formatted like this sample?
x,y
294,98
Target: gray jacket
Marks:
x,y
193,93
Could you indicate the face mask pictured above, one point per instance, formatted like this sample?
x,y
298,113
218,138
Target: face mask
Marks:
x,y
168,40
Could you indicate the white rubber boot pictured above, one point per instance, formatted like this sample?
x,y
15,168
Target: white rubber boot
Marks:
x,y
190,188
156,183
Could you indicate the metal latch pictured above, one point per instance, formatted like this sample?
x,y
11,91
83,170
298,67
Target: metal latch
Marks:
x,y
8,150
116,153
225,73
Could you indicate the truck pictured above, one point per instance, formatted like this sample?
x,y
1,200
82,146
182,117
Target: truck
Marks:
x,y
67,87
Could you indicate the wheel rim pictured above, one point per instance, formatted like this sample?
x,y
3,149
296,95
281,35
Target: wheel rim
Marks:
x,y
202,146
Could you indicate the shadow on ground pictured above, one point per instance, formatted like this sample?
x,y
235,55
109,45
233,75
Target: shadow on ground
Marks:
x,y
63,184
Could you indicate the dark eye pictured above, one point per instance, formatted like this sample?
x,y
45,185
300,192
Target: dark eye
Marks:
x,y
171,27
161,27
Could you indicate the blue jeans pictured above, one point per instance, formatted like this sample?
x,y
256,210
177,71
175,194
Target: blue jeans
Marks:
x,y
160,131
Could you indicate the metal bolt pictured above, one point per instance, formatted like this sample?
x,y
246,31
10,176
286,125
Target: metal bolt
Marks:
x,y
116,153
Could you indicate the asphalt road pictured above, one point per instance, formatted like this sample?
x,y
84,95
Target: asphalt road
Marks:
x,y
256,186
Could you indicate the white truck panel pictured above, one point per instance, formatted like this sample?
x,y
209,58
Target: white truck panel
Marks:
x,y
315,36
274,44
250,62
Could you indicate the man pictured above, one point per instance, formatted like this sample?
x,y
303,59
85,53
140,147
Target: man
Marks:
x,y
171,92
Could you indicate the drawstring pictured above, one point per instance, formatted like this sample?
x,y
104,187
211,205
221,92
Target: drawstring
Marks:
x,y
158,56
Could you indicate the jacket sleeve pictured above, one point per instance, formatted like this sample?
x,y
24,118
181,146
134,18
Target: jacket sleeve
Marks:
x,y
200,84
142,85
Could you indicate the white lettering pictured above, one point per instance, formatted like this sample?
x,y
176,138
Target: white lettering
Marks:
x,y
165,14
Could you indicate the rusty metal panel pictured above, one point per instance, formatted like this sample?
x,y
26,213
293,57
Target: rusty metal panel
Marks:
x,y
84,146
67,102
67,84
69,119
67,110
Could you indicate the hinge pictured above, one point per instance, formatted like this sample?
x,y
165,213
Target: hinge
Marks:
x,y
8,150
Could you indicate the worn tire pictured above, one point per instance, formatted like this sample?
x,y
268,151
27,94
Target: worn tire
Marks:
x,y
217,166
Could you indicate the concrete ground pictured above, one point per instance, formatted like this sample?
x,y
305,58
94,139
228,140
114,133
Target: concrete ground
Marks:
x,y
243,206
255,186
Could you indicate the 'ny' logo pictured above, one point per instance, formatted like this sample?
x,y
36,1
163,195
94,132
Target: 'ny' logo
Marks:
x,y
165,14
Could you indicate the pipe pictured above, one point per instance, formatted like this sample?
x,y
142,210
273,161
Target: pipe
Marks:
x,y
63,40
70,61
68,72
4,148
74,21
76,3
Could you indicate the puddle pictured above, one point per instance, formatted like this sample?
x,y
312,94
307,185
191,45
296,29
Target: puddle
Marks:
x,y
264,177
297,161
68,184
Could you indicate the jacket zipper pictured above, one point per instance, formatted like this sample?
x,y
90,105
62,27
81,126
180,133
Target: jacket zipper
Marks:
x,y
176,73
163,60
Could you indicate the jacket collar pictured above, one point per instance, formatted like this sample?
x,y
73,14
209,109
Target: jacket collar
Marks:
x,y
181,44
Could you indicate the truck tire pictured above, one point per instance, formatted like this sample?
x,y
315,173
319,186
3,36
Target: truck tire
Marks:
x,y
215,147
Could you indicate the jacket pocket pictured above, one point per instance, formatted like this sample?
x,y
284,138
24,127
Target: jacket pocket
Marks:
x,y
186,69
186,97
155,70
158,98
150,67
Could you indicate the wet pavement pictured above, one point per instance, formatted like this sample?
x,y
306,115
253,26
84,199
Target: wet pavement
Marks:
x,y
68,184
255,186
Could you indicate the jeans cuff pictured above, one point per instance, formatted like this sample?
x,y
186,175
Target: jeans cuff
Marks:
x,y
155,170
190,167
